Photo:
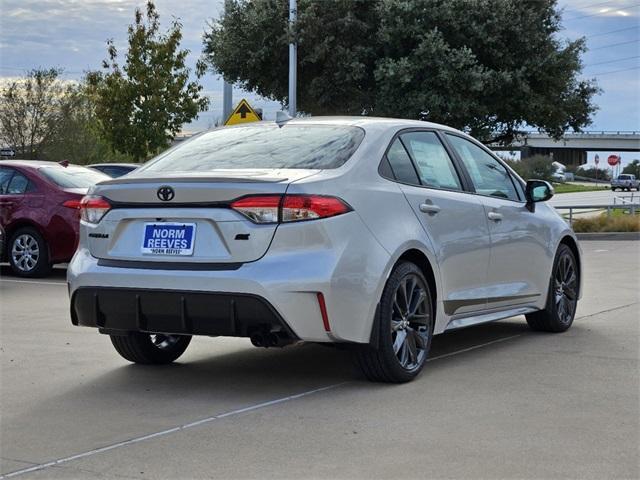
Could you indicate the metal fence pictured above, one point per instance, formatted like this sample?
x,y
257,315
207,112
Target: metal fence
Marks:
x,y
630,208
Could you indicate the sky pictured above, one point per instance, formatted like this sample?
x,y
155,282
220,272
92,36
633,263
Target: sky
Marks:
x,y
71,34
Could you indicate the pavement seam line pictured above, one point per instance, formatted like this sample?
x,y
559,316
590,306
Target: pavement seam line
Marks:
x,y
231,413
475,347
167,431
606,311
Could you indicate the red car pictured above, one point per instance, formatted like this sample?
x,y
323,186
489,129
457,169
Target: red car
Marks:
x,y
39,212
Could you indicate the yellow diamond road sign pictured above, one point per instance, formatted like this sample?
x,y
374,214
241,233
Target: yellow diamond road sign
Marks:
x,y
243,113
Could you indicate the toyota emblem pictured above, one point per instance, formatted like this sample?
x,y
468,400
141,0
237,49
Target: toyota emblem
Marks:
x,y
166,193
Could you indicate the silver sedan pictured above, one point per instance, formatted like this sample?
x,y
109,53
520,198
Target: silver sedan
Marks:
x,y
374,233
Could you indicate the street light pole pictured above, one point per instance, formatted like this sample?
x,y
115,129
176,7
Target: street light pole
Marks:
x,y
227,88
293,54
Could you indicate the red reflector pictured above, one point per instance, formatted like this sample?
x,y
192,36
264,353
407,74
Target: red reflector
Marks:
x,y
323,312
72,204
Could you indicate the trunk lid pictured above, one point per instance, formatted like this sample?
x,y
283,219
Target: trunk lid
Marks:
x,y
198,207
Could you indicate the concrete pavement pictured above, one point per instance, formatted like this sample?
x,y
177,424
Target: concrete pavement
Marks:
x,y
604,197
495,401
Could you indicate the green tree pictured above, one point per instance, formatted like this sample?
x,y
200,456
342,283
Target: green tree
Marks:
x,y
633,168
537,166
488,66
144,103
76,130
30,109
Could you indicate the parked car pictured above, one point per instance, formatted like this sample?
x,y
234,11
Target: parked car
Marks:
x,y
114,170
40,212
372,233
625,181
2,240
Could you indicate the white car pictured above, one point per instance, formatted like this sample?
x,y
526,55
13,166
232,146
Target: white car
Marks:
x,y
373,233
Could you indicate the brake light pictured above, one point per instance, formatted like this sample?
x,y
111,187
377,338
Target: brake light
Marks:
x,y
93,208
290,208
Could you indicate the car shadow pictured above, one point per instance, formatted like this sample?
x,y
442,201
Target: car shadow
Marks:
x,y
243,372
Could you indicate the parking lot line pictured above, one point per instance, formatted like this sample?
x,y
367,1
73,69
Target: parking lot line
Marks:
x,y
32,281
231,413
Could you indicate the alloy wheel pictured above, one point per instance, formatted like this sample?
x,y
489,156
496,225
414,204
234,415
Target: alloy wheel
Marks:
x,y
25,252
410,322
565,286
163,342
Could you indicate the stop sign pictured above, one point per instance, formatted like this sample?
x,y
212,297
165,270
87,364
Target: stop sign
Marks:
x,y
613,160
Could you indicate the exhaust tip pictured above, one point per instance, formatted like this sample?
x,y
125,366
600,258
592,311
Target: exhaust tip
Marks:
x,y
257,340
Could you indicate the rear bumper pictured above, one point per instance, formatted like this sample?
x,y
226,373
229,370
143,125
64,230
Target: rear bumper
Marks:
x,y
337,257
177,312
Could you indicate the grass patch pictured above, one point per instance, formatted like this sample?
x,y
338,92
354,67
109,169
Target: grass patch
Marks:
x,y
603,223
572,188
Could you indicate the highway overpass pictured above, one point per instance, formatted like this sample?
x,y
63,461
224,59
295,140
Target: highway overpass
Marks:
x,y
572,148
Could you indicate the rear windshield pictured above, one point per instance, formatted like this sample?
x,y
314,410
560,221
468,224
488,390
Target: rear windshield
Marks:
x,y
290,146
73,177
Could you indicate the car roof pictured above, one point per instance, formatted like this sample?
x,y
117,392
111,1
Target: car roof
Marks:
x,y
29,163
356,121
134,165
36,164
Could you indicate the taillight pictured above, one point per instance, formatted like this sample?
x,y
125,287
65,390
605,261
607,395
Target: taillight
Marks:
x,y
75,204
93,208
310,207
259,208
290,208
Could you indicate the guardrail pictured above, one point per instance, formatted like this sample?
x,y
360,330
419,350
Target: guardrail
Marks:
x,y
630,207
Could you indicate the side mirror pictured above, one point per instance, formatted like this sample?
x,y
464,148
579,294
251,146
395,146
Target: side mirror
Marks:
x,y
538,191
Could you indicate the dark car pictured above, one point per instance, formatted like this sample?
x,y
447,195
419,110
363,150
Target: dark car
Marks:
x,y
39,212
114,170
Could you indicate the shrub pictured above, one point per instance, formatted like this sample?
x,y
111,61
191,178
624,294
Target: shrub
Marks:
x,y
604,223
603,173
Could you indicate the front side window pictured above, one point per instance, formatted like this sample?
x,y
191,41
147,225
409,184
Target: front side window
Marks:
x,y
432,160
489,176
262,146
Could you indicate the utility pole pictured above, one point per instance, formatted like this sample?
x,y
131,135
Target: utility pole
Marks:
x,y
227,88
293,59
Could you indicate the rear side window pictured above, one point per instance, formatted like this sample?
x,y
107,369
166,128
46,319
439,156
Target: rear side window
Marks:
x,y
489,176
5,178
401,165
262,146
73,177
432,160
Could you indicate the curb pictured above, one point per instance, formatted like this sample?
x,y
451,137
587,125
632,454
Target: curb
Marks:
x,y
609,236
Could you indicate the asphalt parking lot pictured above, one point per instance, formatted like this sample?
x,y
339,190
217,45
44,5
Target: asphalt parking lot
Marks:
x,y
495,401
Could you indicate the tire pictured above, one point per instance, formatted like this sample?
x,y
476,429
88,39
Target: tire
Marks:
x,y
404,338
156,349
562,297
28,253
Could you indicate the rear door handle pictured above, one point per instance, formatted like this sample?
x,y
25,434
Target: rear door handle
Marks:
x,y
496,217
429,208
